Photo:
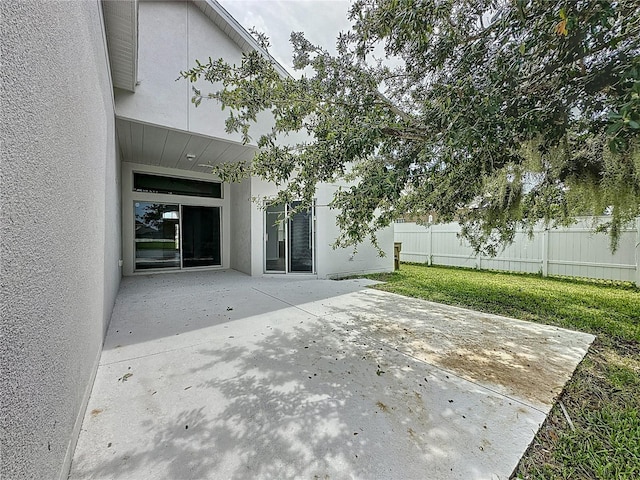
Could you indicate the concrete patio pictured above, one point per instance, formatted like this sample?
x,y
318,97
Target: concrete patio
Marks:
x,y
211,375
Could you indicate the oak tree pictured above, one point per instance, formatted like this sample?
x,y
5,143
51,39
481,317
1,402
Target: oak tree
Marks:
x,y
493,113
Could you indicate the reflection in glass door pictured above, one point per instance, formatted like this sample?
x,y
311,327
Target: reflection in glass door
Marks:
x,y
275,240
176,236
157,235
288,243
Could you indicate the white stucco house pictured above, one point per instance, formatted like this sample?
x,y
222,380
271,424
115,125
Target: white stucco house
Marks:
x,y
103,175
167,144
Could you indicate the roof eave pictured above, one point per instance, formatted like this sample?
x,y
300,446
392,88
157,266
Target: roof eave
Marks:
x,y
121,26
246,41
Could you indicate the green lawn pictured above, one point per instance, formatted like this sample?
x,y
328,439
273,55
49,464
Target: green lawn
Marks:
x,y
602,398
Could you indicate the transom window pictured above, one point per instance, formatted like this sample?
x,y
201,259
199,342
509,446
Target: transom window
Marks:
x,y
144,182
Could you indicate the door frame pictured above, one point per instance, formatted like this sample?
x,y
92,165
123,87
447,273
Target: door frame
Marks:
x,y
130,196
181,266
287,221
181,220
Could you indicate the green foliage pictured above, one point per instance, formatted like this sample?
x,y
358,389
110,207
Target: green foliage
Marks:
x,y
597,450
497,113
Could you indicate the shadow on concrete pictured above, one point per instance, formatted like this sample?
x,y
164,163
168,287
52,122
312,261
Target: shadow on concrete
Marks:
x,y
158,306
308,404
314,379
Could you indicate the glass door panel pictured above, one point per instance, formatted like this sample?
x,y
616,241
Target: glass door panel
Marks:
x,y
301,241
200,236
157,235
275,239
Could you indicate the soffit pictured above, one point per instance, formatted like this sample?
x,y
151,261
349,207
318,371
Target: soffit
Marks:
x,y
159,146
121,26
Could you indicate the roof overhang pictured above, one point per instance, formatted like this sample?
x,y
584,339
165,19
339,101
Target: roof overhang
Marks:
x,y
121,26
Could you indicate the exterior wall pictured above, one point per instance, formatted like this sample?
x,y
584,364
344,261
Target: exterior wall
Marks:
x,y
240,248
346,261
112,226
129,196
329,263
575,251
171,36
60,241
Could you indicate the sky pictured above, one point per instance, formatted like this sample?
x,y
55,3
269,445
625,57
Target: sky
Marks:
x,y
320,20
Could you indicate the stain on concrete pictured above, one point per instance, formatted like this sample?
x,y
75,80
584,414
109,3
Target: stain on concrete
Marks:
x,y
484,349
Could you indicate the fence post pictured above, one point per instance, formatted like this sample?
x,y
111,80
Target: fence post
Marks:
x,y
545,252
430,252
638,252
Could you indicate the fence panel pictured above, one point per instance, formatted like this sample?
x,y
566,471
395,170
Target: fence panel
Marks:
x,y
575,251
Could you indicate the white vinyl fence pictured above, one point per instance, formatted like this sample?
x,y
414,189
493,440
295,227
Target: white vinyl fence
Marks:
x,y
575,251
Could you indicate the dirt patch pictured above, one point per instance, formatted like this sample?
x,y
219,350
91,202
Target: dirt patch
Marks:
x,y
487,353
515,372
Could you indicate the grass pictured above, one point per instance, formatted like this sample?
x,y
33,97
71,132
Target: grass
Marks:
x,y
603,396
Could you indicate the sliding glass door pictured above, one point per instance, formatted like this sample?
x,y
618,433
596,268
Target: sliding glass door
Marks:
x,y
157,235
200,236
301,241
289,243
275,239
176,236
